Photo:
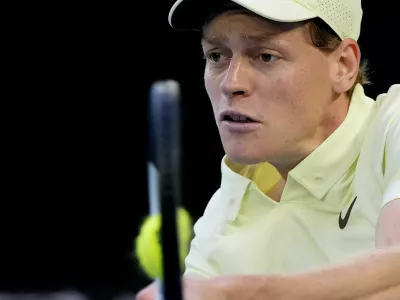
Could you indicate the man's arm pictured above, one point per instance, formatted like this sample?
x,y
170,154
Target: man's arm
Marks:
x,y
375,276
372,276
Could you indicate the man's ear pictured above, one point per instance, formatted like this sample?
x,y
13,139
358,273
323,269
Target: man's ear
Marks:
x,y
345,65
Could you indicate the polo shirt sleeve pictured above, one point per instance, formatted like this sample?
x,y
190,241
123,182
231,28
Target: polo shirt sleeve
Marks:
x,y
392,162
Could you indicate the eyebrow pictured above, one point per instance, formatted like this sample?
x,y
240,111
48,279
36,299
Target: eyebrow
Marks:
x,y
251,38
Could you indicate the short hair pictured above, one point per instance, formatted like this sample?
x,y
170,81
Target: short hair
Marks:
x,y
324,38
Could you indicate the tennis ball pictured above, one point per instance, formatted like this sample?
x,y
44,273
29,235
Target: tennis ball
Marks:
x,y
148,243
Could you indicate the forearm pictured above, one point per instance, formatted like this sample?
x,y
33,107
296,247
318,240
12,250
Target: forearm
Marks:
x,y
360,278
373,276
388,294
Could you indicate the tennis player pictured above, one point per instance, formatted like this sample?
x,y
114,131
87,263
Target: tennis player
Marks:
x,y
309,202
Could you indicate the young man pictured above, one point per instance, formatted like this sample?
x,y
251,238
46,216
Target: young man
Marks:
x,y
309,204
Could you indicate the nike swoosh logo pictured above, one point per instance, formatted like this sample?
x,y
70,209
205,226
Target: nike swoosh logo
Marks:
x,y
343,222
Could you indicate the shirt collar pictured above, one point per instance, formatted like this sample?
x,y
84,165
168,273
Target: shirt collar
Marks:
x,y
233,188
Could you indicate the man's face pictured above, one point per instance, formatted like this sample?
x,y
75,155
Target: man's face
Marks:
x,y
272,74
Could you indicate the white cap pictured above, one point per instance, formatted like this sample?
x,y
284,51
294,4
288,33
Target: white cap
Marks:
x,y
343,16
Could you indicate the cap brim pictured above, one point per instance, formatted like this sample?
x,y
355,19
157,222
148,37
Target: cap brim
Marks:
x,y
191,14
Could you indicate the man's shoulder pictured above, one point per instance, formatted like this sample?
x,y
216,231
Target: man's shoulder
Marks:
x,y
392,90
390,101
373,156
386,111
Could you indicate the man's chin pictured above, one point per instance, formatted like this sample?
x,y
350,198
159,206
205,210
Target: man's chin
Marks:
x,y
244,159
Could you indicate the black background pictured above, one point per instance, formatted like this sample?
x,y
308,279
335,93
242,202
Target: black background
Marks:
x,y
76,189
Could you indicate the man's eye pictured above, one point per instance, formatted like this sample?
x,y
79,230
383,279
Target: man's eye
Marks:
x,y
266,57
215,57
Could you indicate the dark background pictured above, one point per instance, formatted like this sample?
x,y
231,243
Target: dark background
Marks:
x,y
76,191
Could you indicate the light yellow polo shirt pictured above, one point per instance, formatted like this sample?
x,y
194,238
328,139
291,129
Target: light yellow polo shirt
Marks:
x,y
243,231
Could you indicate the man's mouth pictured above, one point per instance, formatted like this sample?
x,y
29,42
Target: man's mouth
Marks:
x,y
237,117
236,122
240,119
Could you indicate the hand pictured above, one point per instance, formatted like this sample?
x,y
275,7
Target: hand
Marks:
x,y
193,289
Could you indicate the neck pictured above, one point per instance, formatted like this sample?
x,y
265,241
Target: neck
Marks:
x,y
335,116
332,119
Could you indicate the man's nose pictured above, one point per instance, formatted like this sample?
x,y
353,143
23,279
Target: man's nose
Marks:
x,y
237,81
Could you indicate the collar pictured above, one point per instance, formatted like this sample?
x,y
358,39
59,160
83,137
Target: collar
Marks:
x,y
233,187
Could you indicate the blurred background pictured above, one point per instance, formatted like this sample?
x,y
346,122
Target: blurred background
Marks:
x,y
76,189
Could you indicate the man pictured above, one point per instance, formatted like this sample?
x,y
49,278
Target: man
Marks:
x,y
309,204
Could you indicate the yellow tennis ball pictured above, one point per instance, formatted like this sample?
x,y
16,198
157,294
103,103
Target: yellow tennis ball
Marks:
x,y
148,245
